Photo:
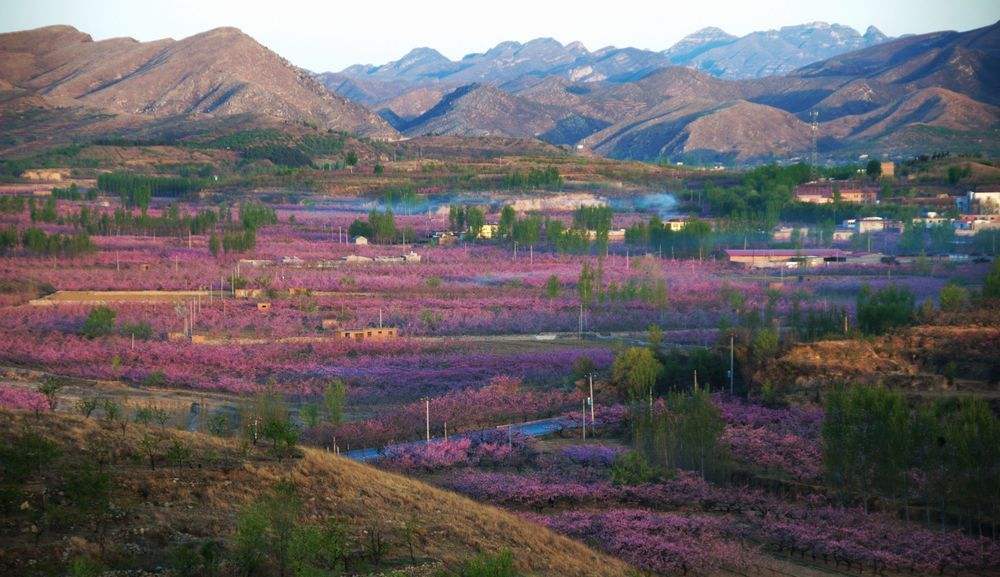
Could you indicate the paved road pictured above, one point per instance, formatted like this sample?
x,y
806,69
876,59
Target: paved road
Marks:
x,y
537,428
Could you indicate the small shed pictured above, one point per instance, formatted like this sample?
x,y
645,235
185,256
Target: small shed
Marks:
x,y
370,334
360,240
264,307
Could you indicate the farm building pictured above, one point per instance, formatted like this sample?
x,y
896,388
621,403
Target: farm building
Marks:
x,y
872,224
675,224
974,202
785,233
255,263
371,334
969,224
356,258
360,240
614,235
765,258
823,192
244,293
488,231
51,174
841,234
444,238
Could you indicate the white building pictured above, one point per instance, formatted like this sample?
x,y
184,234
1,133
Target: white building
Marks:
x,y
979,203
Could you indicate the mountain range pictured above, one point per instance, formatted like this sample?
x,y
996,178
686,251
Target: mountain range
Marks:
x,y
711,97
898,96
512,65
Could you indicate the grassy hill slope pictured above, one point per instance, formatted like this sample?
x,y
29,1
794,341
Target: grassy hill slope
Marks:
x,y
168,487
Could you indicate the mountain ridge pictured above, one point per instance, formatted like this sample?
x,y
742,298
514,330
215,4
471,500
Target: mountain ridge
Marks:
x,y
220,72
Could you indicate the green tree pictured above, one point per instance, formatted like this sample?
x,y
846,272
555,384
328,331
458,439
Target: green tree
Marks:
x,y
334,399
360,228
508,217
865,434
586,284
885,309
214,245
552,287
100,322
874,168
456,218
991,286
953,298
352,158
383,225
475,220
635,371
265,531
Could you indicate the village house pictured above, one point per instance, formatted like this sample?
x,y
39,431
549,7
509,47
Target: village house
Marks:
x,y
841,234
444,238
785,233
932,218
823,192
488,231
360,240
675,224
866,224
370,334
975,202
615,235
970,224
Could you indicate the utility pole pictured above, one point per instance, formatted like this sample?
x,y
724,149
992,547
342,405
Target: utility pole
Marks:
x,y
814,125
590,377
427,416
584,415
732,374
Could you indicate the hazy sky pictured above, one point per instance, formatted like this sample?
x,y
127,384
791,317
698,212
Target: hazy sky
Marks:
x,y
331,34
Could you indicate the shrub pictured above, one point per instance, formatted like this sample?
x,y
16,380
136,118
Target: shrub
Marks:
x,y
953,298
141,330
885,309
500,564
100,322
632,468
85,567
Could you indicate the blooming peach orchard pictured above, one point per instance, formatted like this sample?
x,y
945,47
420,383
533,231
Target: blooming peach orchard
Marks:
x,y
489,334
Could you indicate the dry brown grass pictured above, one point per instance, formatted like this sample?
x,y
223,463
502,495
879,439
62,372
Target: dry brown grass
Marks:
x,y
201,500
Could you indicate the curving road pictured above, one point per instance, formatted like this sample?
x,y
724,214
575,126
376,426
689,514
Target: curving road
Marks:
x,y
538,428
